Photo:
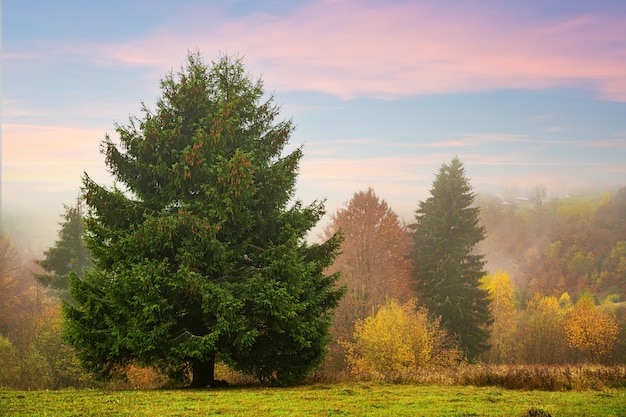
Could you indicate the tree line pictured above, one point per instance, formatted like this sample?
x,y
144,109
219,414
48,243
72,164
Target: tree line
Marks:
x,y
199,254
530,322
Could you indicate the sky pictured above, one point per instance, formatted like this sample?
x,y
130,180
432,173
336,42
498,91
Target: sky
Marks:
x,y
382,92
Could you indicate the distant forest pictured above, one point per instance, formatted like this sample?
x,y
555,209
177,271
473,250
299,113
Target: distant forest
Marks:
x,y
559,245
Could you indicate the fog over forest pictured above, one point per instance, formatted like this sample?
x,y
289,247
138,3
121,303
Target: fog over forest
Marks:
x,y
34,229
508,245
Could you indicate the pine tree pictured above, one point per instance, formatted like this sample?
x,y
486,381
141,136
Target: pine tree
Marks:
x,y
69,253
447,271
201,255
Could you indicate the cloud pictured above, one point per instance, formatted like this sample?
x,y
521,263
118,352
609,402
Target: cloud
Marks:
x,y
616,143
556,129
471,140
387,50
364,169
51,158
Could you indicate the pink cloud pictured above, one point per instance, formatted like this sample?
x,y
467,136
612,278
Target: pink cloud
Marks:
x,y
617,143
369,169
352,48
52,157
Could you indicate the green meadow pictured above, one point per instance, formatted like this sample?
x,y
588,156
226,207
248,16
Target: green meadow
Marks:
x,y
352,399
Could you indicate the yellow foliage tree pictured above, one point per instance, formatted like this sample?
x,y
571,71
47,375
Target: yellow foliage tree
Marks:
x,y
502,306
398,339
540,336
565,301
592,332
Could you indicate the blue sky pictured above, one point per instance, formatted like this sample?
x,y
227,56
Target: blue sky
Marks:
x,y
382,92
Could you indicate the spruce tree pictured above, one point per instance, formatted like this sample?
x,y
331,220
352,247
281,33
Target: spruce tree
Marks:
x,y
446,269
199,250
69,253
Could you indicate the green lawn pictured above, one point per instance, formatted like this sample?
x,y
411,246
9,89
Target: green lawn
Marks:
x,y
355,399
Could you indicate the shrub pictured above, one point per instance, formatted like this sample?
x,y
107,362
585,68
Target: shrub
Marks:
x,y
397,340
35,373
139,377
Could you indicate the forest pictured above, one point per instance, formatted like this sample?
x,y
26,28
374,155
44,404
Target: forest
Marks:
x,y
557,271
197,264
556,274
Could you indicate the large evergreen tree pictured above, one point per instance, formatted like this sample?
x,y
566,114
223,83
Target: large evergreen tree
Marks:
x,y
447,271
69,253
200,251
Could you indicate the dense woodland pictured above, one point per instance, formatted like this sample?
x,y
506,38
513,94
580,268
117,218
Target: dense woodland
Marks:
x,y
557,269
556,274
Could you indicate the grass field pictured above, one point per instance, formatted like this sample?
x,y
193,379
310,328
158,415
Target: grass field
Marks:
x,y
352,399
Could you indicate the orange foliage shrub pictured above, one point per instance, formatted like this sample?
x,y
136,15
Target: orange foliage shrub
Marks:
x,y
143,377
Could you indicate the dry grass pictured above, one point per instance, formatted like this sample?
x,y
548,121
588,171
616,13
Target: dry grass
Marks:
x,y
522,377
547,378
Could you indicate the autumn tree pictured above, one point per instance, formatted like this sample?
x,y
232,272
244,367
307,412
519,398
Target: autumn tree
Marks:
x,y
10,298
504,313
20,297
611,217
9,365
590,331
373,260
17,308
32,354
397,339
543,269
447,271
69,253
540,333
200,251
613,276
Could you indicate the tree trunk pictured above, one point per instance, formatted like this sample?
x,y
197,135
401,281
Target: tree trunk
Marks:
x,y
203,372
